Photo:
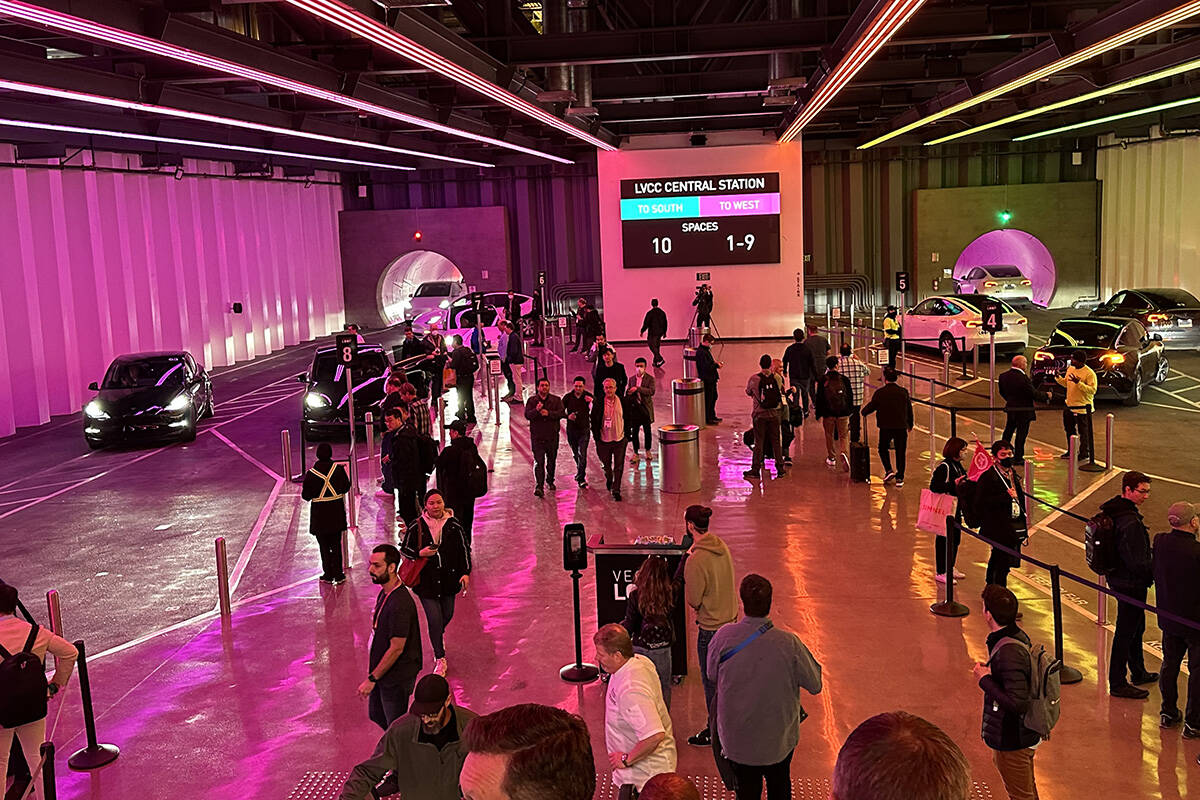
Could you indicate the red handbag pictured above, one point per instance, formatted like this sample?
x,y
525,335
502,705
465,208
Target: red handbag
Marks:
x,y
410,571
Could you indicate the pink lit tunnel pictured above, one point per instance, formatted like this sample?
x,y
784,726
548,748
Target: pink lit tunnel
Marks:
x,y
1022,250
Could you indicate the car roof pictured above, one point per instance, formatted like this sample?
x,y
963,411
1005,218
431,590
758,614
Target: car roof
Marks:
x,y
363,347
1118,321
125,358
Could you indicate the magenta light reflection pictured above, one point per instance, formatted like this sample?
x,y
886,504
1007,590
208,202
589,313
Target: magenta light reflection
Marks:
x,y
1018,248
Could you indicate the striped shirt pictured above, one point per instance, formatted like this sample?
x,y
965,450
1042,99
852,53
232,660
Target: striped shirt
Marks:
x,y
857,373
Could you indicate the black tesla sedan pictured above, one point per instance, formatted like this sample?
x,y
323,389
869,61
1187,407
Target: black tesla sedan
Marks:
x,y
150,395
1125,356
326,404
1174,314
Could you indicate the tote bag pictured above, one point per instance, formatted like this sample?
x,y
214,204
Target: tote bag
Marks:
x,y
935,507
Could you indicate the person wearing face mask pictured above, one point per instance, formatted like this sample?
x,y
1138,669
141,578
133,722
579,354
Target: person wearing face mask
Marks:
x,y
639,407
1177,592
1080,382
1000,506
423,750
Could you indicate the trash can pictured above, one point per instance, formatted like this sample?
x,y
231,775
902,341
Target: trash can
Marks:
x,y
689,362
680,449
687,401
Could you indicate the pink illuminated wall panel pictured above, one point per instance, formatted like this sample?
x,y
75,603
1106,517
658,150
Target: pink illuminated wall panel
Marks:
x,y
100,263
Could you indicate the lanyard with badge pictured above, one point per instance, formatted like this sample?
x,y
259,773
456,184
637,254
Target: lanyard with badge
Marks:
x,y
1016,504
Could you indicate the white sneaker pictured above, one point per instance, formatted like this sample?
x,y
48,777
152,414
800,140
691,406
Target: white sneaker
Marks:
x,y
439,667
829,462
940,577
633,459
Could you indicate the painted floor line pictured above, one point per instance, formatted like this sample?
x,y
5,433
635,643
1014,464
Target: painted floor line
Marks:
x,y
40,430
1177,396
79,483
1171,408
37,486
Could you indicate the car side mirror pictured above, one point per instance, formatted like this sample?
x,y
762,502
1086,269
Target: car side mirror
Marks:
x,y
93,387
302,378
1158,337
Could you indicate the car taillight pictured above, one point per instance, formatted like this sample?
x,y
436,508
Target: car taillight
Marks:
x,y
1020,321
1027,282
1154,318
990,284
1042,356
1112,359
974,323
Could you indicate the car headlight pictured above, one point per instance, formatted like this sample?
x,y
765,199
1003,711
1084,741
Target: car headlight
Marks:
x,y
95,410
179,403
444,304
316,400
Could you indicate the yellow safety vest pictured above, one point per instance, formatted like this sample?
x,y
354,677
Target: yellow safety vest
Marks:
x,y
328,493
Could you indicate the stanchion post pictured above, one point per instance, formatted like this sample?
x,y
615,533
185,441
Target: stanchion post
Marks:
x,y
953,421
1072,463
49,785
1108,441
945,366
54,612
949,607
1091,465
1029,502
932,425
223,578
975,360
285,441
578,672
353,435
992,388
369,419
962,358
1068,674
95,754
303,452
1101,603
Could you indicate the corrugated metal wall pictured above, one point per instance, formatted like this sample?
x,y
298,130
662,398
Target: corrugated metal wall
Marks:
x,y
553,212
860,208
1151,203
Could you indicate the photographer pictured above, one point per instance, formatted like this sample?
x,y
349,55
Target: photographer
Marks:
x,y
704,306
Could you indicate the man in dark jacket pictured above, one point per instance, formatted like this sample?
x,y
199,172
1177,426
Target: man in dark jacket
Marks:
x,y
544,410
895,420
577,405
514,359
1176,565
1005,680
708,371
407,462
1000,507
464,363
1132,577
512,310
832,404
654,325
453,468
325,486
799,367
1019,397
818,345
587,325
766,397
607,366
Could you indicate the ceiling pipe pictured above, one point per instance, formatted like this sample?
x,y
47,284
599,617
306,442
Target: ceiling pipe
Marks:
x,y
579,21
555,21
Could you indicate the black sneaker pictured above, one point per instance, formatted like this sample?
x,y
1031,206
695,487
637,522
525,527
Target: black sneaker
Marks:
x,y
1190,733
1171,720
550,483
538,492
1142,680
701,739
750,475
617,495
1129,691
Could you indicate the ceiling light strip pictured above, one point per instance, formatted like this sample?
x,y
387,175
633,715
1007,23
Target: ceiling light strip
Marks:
x,y
198,116
94,30
1132,83
881,29
1152,25
1111,118
237,148
352,21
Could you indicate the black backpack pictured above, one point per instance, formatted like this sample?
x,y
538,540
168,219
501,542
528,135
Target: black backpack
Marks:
x,y
836,401
429,451
22,685
477,480
1100,544
768,391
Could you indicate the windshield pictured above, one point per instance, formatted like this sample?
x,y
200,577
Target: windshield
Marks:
x,y
1080,333
433,290
466,319
164,371
1004,272
976,301
1172,298
329,368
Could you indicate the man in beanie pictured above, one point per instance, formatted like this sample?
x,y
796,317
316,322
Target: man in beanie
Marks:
x,y
325,487
707,572
423,750
1176,566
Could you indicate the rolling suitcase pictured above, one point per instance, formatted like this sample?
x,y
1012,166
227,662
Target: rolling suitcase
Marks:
x,y
860,457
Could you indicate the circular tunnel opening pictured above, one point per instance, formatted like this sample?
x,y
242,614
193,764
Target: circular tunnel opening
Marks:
x,y
1018,248
402,277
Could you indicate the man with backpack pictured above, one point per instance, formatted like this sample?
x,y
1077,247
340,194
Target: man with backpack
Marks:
x,y
461,475
1130,573
832,402
895,420
766,395
24,692
1020,686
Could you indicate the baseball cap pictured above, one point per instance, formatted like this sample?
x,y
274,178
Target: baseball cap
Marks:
x,y
430,695
458,426
1181,514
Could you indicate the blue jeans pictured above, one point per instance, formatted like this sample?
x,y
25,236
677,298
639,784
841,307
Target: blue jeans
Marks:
x,y
703,637
661,656
438,613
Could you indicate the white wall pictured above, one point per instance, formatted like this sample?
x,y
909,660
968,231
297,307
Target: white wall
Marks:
x,y
1151,205
98,263
751,300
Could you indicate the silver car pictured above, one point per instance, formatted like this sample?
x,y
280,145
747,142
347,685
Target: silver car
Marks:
x,y
1003,281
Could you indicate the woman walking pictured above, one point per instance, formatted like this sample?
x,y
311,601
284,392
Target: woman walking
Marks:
x,y
945,481
438,538
652,599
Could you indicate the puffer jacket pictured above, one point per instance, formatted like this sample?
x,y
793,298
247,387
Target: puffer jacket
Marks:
x,y
1006,694
1135,568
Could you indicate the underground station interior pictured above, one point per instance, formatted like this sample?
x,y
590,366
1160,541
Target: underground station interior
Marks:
x,y
220,218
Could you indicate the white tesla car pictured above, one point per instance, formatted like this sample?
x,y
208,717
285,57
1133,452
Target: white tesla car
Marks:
x,y
1003,281
952,323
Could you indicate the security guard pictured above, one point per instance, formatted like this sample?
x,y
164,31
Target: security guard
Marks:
x,y
326,484
891,335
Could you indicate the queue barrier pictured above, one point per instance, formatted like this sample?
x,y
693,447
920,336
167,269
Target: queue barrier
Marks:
x,y
96,754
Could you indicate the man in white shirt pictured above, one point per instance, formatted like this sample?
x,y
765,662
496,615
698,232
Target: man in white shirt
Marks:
x,y
637,725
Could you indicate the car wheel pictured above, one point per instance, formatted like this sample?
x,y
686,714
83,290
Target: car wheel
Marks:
x,y
1164,366
1135,394
946,344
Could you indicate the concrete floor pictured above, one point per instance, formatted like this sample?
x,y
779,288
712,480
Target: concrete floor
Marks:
x,y
254,706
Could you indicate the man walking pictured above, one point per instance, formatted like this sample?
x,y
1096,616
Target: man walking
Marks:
x,y
1176,565
895,420
325,486
607,366
639,408
514,357
637,725
857,373
891,335
608,429
799,367
759,671
1005,681
577,404
423,750
544,411
832,406
707,572
411,459
654,325
1132,577
458,470
395,657
708,371
1019,397
464,363
818,345
1080,382
766,397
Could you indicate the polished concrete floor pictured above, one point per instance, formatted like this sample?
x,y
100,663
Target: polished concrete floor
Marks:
x,y
255,706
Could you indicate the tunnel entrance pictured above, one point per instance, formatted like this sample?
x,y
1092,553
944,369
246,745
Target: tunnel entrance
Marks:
x,y
402,277
1018,248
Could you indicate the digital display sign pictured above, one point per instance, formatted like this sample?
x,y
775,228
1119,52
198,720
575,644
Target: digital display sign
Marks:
x,y
708,220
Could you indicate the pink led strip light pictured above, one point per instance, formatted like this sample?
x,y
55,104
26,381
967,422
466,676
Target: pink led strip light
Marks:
x,y
881,30
352,21
105,33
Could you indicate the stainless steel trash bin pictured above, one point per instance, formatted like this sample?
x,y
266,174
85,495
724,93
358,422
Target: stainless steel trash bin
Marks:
x,y
689,362
680,449
687,402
